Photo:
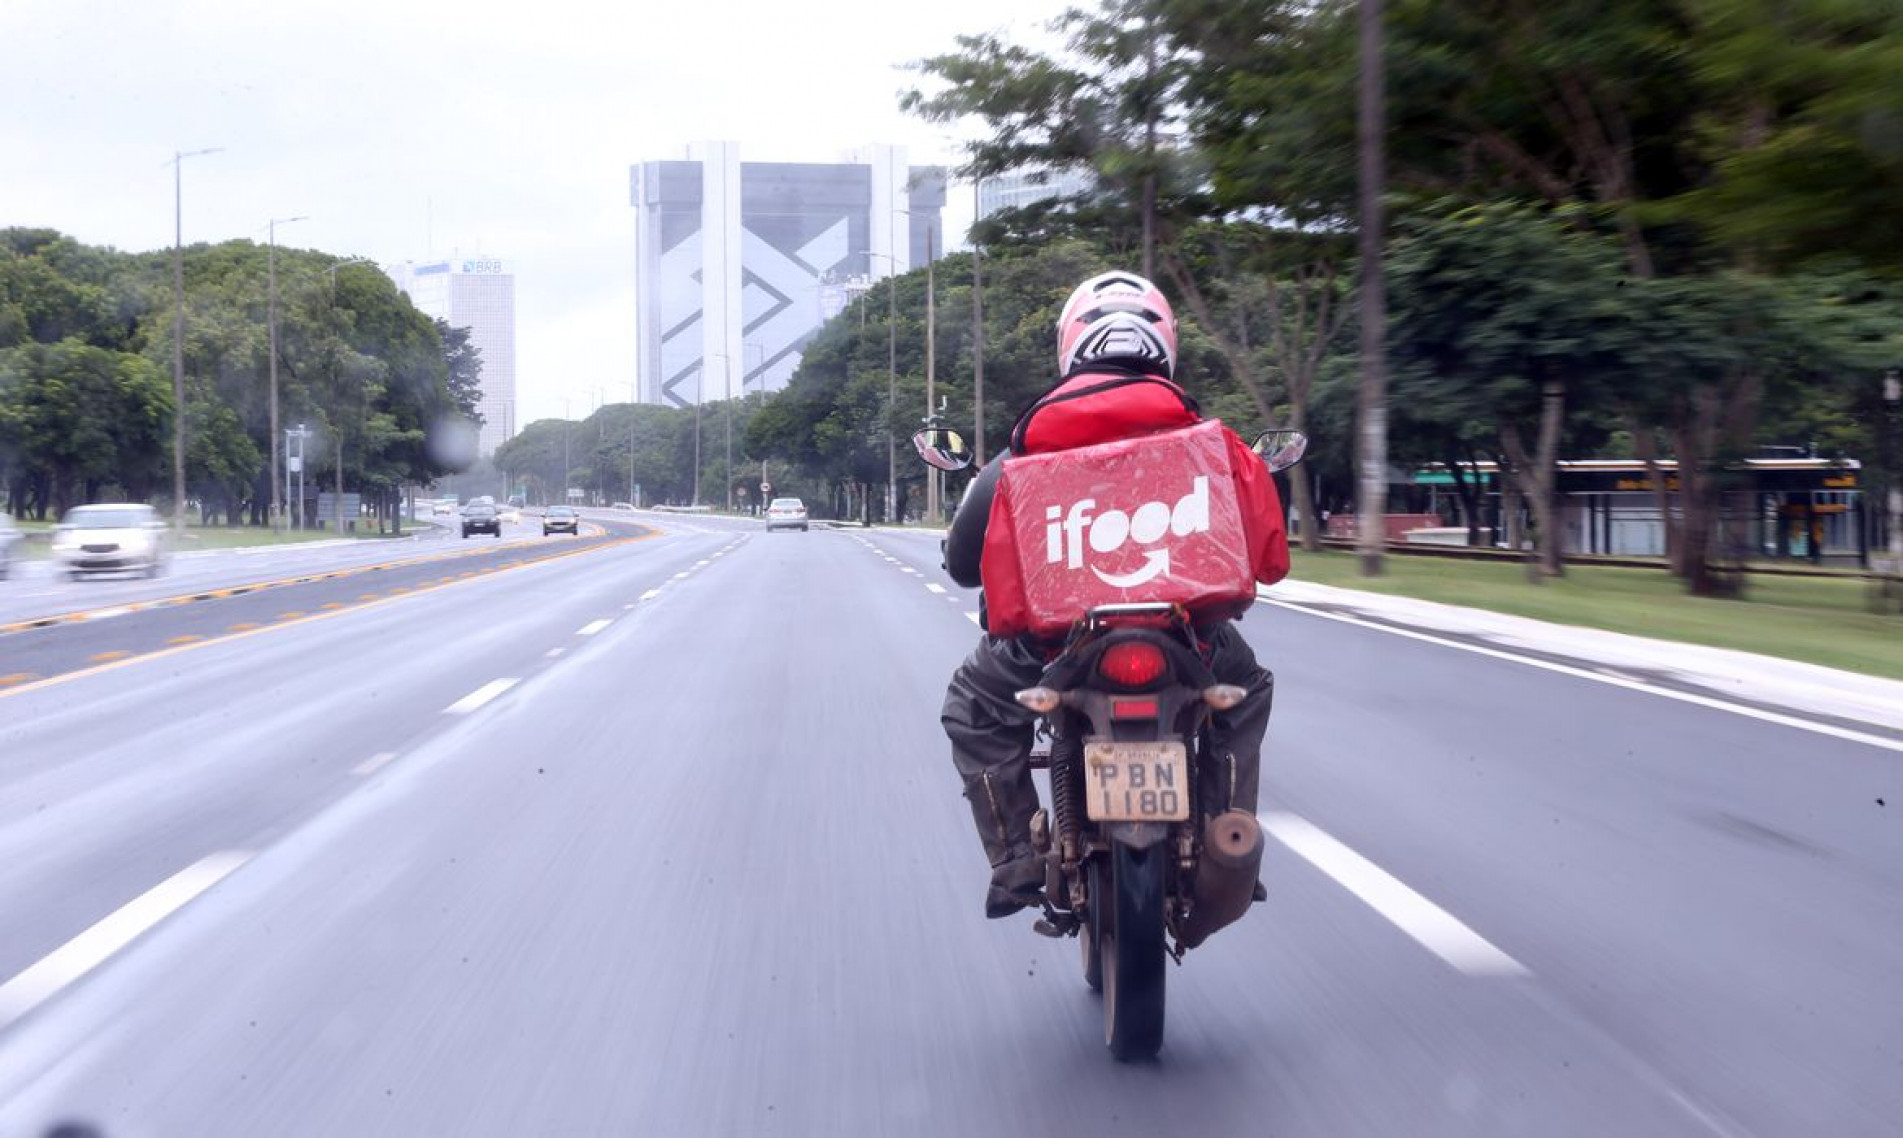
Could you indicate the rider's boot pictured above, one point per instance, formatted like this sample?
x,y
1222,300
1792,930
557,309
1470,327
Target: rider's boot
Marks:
x,y
1002,802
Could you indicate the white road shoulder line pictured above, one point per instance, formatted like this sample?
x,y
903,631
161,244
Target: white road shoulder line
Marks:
x,y
1436,929
373,764
89,949
592,627
1597,677
480,696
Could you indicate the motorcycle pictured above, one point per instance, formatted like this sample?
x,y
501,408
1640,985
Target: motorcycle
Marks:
x,y
1140,845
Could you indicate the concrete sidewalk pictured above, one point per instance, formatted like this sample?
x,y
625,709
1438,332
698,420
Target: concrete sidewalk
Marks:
x,y
1724,673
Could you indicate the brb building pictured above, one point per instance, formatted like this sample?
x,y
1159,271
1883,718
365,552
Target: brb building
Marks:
x,y
737,264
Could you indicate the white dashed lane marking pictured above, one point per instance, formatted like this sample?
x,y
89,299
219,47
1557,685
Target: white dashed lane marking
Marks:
x,y
1437,930
480,696
592,627
934,587
650,594
89,949
373,764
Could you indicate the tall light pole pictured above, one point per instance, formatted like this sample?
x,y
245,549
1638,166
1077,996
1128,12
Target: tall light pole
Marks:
x,y
178,332
700,385
1371,404
277,507
1892,407
931,370
977,328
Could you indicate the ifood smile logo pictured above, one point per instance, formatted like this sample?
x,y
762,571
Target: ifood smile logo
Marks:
x,y
1066,533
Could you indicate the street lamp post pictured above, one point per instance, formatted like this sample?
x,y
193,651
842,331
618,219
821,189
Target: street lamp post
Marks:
x,y
178,332
977,331
700,385
277,508
1893,416
931,371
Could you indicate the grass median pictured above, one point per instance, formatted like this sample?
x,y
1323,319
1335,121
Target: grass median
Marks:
x,y
1819,620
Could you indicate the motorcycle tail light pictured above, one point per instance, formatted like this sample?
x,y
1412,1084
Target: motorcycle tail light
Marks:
x,y
1132,664
1133,709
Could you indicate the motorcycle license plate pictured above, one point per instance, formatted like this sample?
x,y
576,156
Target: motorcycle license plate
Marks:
x,y
1136,782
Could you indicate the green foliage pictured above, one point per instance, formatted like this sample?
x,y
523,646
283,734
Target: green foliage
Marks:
x,y
355,360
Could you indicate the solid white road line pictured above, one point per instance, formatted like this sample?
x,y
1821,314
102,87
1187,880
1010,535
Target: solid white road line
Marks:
x,y
1436,929
592,627
650,594
89,949
480,696
1595,676
373,764
936,588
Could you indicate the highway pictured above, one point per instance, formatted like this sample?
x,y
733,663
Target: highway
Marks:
x,y
661,837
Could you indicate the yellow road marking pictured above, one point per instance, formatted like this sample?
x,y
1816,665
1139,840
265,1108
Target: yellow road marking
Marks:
x,y
292,615
188,638
115,654
332,605
369,596
20,683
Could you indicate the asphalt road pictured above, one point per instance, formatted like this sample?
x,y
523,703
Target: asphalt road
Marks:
x,y
661,838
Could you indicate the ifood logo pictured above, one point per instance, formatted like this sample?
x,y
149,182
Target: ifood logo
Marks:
x,y
1066,532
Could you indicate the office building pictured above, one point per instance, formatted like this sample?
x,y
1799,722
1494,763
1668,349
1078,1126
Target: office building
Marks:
x,y
1027,187
477,293
737,264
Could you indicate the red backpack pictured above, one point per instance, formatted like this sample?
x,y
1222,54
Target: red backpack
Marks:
x,y
1118,490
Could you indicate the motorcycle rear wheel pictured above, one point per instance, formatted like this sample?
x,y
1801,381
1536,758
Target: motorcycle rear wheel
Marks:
x,y
1090,935
1130,945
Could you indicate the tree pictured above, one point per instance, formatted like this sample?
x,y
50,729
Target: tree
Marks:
x,y
464,361
1507,316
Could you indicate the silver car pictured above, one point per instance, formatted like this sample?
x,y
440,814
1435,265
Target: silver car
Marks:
x,y
115,538
9,535
786,513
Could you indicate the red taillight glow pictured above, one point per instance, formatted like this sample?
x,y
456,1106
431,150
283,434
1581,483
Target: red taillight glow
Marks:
x,y
1132,664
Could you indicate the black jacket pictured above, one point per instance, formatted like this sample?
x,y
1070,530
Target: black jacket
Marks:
x,y
965,541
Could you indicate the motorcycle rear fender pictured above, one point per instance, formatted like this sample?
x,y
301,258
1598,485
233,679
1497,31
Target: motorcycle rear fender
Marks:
x,y
1137,835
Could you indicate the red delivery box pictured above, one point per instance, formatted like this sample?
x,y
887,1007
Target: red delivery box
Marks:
x,y
1153,518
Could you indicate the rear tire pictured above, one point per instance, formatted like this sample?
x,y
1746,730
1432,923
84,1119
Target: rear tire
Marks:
x,y
1133,955
1090,936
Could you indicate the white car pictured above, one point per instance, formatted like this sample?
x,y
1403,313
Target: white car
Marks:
x,y
115,538
786,513
9,534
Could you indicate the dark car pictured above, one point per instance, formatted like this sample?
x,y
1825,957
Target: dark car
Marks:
x,y
561,519
481,519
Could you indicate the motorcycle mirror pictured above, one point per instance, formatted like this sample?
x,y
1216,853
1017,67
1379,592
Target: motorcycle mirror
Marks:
x,y
1280,449
943,448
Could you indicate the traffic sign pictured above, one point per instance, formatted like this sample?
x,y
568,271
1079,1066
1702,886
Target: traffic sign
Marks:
x,y
766,487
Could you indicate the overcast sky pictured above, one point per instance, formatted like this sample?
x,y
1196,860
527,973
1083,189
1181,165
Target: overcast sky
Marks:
x,y
407,129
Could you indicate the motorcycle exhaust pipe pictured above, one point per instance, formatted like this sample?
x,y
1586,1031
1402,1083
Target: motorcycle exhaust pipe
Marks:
x,y
1225,881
